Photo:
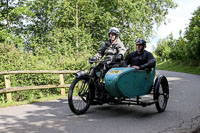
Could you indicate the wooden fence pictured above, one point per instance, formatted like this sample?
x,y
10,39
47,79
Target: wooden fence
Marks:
x,y
10,89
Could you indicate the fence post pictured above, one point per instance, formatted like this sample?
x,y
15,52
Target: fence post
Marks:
x,y
62,83
7,84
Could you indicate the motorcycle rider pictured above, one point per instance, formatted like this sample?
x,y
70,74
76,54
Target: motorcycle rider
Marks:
x,y
140,59
113,48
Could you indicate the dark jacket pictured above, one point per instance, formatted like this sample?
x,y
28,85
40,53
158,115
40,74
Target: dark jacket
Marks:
x,y
143,60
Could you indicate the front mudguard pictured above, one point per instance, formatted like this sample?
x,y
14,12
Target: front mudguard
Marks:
x,y
82,74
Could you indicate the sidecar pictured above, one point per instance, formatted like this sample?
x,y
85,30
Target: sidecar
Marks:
x,y
129,83
123,85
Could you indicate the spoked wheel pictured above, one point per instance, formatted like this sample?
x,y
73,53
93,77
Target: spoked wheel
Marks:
x,y
78,96
161,93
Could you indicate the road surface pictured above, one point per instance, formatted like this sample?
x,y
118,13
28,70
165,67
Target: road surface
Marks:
x,y
182,114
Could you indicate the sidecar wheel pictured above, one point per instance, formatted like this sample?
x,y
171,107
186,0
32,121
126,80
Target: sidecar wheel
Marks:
x,y
78,96
161,93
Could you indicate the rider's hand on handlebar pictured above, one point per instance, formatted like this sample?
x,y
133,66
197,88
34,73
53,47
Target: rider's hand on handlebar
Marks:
x,y
94,58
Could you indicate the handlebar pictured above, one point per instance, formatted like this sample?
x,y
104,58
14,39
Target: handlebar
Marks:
x,y
93,61
105,62
96,61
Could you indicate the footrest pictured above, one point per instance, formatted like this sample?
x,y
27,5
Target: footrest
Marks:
x,y
148,102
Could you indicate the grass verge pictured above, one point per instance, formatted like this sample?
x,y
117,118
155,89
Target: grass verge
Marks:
x,y
15,103
177,66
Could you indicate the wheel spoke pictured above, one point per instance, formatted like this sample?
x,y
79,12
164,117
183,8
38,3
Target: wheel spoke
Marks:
x,y
80,100
162,97
82,88
161,93
83,93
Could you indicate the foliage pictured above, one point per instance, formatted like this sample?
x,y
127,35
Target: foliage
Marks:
x,y
165,46
186,48
13,58
80,24
193,35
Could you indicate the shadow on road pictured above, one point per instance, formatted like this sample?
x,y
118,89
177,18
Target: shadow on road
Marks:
x,y
55,116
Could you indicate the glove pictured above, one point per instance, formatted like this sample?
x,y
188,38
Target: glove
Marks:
x,y
118,57
94,58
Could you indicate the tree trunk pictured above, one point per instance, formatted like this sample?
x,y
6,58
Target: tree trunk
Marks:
x,y
77,24
7,17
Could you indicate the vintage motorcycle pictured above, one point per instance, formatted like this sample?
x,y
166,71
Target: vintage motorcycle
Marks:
x,y
119,85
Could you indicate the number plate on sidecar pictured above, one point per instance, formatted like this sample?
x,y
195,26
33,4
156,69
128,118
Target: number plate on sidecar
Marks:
x,y
115,71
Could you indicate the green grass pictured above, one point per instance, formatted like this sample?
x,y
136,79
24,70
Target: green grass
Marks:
x,y
15,103
178,67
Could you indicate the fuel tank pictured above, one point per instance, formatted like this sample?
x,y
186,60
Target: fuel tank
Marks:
x,y
129,82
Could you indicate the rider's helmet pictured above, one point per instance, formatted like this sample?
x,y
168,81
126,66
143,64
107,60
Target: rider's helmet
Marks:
x,y
113,30
140,42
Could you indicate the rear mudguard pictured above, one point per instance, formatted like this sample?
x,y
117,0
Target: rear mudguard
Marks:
x,y
160,80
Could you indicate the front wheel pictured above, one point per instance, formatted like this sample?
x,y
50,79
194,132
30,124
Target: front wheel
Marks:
x,y
79,96
161,93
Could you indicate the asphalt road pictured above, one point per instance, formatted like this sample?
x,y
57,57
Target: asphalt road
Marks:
x,y
182,114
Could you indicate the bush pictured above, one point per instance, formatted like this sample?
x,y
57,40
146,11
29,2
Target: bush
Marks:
x,y
13,58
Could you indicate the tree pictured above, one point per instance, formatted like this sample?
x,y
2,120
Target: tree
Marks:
x,y
134,18
165,47
179,51
193,36
79,25
12,20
